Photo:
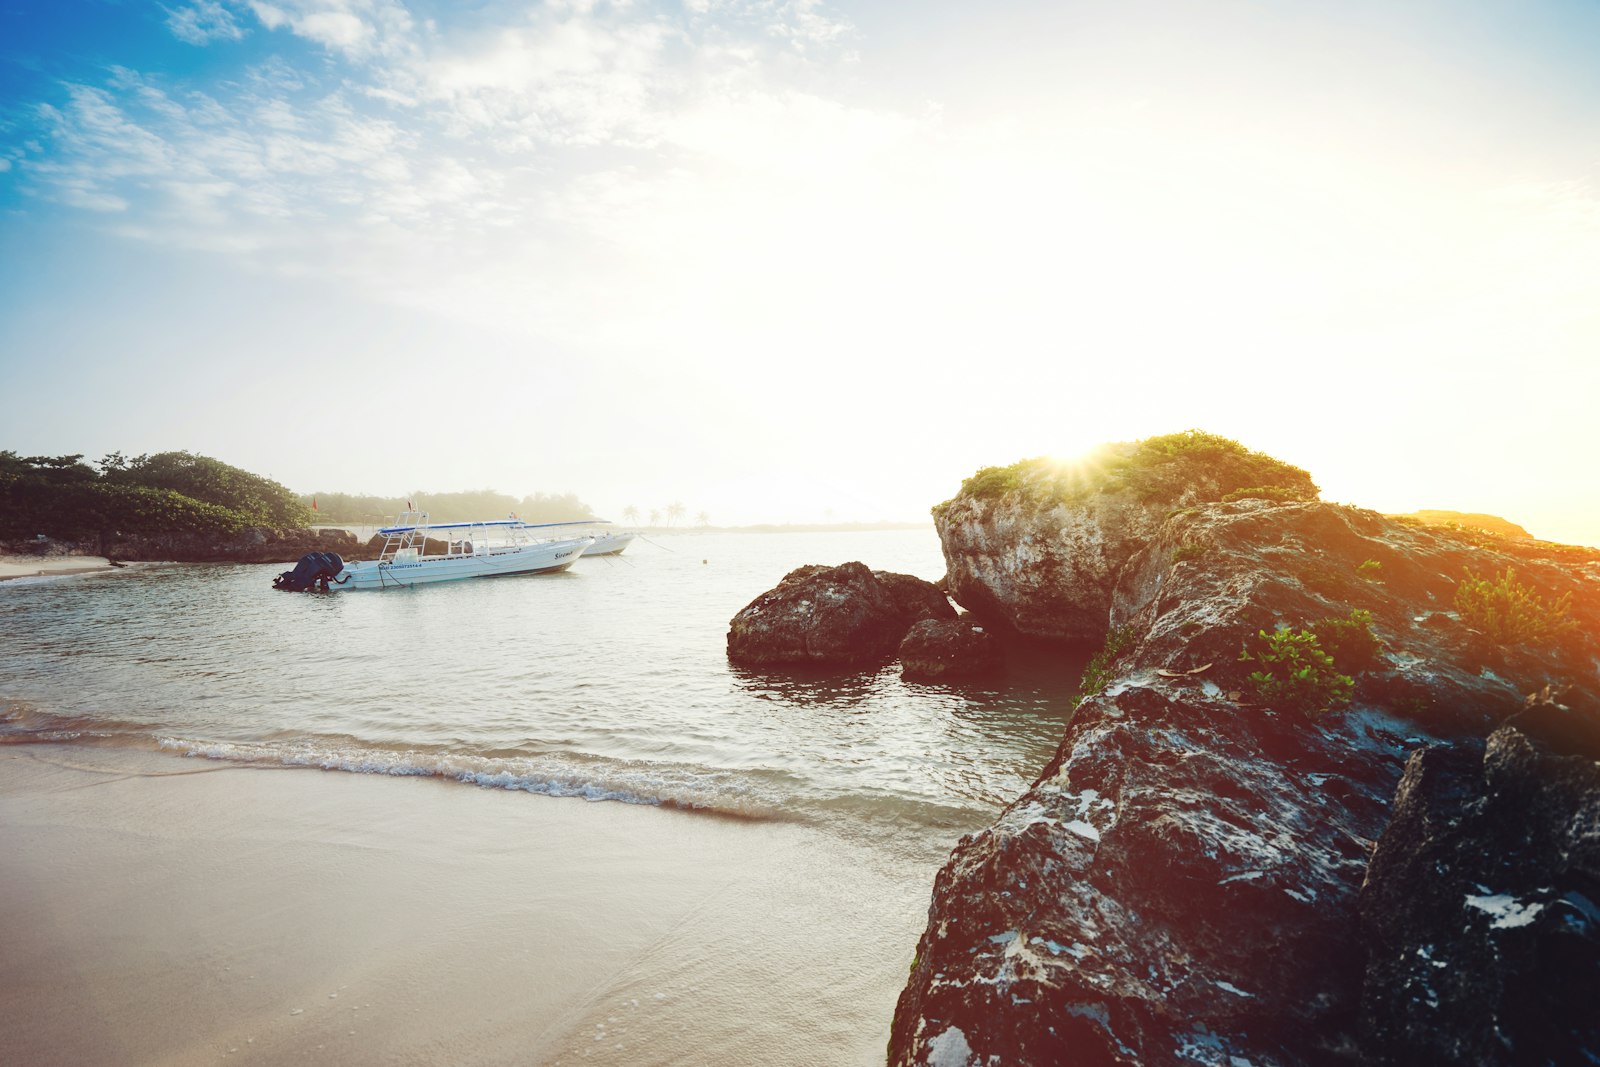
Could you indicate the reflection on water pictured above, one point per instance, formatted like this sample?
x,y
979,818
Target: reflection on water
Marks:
x,y
606,681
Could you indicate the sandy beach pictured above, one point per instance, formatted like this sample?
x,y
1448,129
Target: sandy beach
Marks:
x,y
49,566
179,911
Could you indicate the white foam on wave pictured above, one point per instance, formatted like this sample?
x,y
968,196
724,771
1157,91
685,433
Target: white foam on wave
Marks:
x,y
556,775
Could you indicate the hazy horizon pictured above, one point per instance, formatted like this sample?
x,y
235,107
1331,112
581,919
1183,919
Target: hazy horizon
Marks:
x,y
806,262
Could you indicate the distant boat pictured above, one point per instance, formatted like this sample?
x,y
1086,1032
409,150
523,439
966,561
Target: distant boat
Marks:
x,y
492,549
608,540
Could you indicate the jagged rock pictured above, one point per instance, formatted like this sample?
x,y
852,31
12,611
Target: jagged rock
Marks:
x,y
949,648
914,597
1481,907
833,616
1180,884
1039,547
1043,572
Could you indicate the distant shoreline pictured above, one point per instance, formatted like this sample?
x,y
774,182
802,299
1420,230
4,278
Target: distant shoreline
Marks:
x,y
49,566
795,527
364,531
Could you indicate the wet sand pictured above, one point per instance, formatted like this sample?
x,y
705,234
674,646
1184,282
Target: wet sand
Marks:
x,y
49,566
177,911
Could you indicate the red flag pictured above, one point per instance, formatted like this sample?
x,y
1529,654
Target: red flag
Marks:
x,y
313,503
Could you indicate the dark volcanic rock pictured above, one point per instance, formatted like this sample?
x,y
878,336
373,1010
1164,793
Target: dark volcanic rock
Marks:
x,y
949,648
1180,885
1482,907
832,616
1179,888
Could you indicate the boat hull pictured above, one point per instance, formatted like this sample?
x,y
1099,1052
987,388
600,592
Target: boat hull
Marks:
x,y
609,544
541,558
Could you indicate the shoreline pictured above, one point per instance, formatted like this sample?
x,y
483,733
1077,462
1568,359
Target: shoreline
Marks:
x,y
50,566
169,910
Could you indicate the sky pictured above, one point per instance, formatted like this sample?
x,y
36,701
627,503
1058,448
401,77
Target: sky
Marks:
x,y
785,260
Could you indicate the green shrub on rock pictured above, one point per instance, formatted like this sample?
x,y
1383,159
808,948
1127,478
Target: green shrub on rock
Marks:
x,y
1189,466
1101,668
1350,641
1297,673
1510,613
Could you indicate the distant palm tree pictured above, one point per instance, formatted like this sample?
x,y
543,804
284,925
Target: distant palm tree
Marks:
x,y
702,519
655,517
630,514
674,512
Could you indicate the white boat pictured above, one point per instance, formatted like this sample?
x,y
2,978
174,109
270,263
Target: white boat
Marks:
x,y
470,550
608,540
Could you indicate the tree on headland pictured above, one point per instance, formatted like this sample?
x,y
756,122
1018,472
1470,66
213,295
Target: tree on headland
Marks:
x,y
261,501
674,512
63,497
462,506
630,514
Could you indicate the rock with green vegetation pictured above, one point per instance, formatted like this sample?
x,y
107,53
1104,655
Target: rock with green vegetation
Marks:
x,y
1183,881
1468,520
1038,547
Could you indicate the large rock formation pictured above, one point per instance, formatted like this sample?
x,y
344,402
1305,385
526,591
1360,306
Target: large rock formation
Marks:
x,y
832,616
1181,883
1039,547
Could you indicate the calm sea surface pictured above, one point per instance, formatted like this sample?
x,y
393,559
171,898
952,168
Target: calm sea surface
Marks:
x,y
607,682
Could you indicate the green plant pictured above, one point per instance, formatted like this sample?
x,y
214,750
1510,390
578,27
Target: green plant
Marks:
x,y
1188,467
1510,613
1188,550
1101,668
1297,674
1172,465
995,481
1369,570
1349,641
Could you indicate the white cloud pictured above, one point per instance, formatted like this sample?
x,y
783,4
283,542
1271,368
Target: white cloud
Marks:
x,y
336,29
361,30
78,192
203,21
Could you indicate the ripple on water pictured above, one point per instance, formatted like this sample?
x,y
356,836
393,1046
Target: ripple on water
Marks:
x,y
606,682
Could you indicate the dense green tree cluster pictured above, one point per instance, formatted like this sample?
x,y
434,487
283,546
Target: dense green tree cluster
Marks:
x,y
64,497
470,506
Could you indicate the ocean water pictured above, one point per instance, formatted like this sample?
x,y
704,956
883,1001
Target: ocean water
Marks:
x,y
608,682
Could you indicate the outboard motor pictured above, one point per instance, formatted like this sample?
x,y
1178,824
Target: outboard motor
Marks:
x,y
314,569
